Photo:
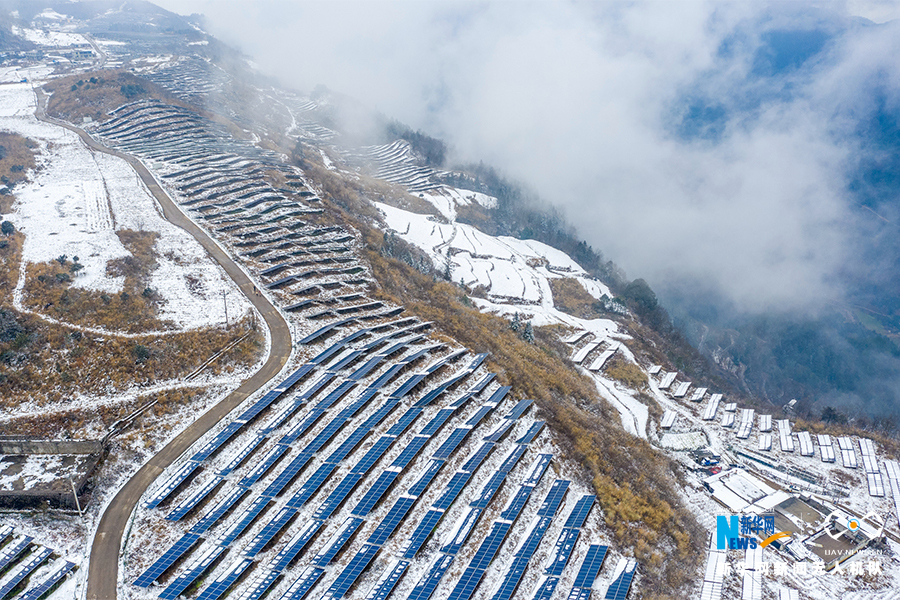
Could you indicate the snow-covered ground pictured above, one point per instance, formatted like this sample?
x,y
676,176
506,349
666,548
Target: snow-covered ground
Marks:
x,y
46,37
77,199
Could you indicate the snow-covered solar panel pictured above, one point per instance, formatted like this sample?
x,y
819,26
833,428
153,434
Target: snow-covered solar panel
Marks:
x,y
715,572
171,483
848,459
385,585
785,594
667,380
753,557
712,407
784,435
682,389
826,449
731,407
668,419
751,588
765,441
303,584
12,550
598,362
746,424
576,337
623,575
806,445
870,464
58,573
698,394
765,423
337,541
223,582
654,369
876,484
430,580
269,531
584,351
866,447
194,570
728,420
189,503
844,443
24,569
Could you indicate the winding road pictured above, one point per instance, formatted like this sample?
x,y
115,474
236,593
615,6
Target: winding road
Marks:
x,y
102,580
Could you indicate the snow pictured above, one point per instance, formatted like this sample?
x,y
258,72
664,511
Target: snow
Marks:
x,y
77,199
56,39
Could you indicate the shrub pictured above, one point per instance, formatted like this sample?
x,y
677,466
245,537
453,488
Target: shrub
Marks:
x,y
7,228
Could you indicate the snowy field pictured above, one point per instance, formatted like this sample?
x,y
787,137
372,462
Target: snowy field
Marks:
x,y
76,201
45,37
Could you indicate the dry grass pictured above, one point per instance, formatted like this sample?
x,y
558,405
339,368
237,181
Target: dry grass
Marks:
x,y
16,159
95,94
627,373
570,297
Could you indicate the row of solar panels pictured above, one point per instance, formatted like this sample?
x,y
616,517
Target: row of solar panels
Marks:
x,y
20,559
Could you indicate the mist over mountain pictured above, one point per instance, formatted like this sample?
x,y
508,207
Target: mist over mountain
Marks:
x,y
742,159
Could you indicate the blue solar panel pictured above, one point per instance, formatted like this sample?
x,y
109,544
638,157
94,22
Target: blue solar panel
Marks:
x,y
374,454
288,474
452,442
582,508
422,533
302,586
491,545
489,490
475,461
348,445
241,455
366,368
579,593
317,334
532,433
302,427
12,550
437,422
410,452
452,489
517,503
36,593
283,414
222,583
324,436
263,466
334,348
385,377
426,586
462,400
546,588
462,532
590,566
433,394
479,415
269,531
295,546
172,483
431,471
520,563
216,442
347,360
563,551
296,376
483,382
24,569
537,472
194,499
381,414
352,571
500,431
237,528
176,551
312,485
405,421
554,498
408,385
375,493
618,590
498,396
519,409
337,542
391,521
336,394
316,386
384,587
467,584
357,405
513,458
218,510
194,570
257,407
260,584
338,495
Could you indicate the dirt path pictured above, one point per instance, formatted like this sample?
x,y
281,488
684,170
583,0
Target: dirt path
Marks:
x,y
102,580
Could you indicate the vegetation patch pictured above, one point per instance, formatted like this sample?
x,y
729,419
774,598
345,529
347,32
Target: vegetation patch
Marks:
x,y
626,372
49,290
570,297
93,95
17,157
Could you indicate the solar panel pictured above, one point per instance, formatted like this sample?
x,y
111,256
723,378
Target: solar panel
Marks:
x,y
476,459
317,334
303,426
532,433
374,494
268,461
385,585
297,375
295,545
422,533
338,495
391,521
429,582
428,475
189,503
5,532
312,485
223,582
461,531
405,421
434,394
259,584
338,540
437,422
247,518
349,574
522,557
207,449
452,443
489,490
194,570
510,461
269,531
452,490
408,385
316,386
284,478
519,409
554,498
374,454
12,550
582,508
618,589
57,575
562,551
380,414
171,483
162,564
500,431
242,453
480,414
24,569
590,566
538,468
336,394
304,584
545,588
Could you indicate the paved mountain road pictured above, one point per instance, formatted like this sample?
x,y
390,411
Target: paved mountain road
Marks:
x,y
103,575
